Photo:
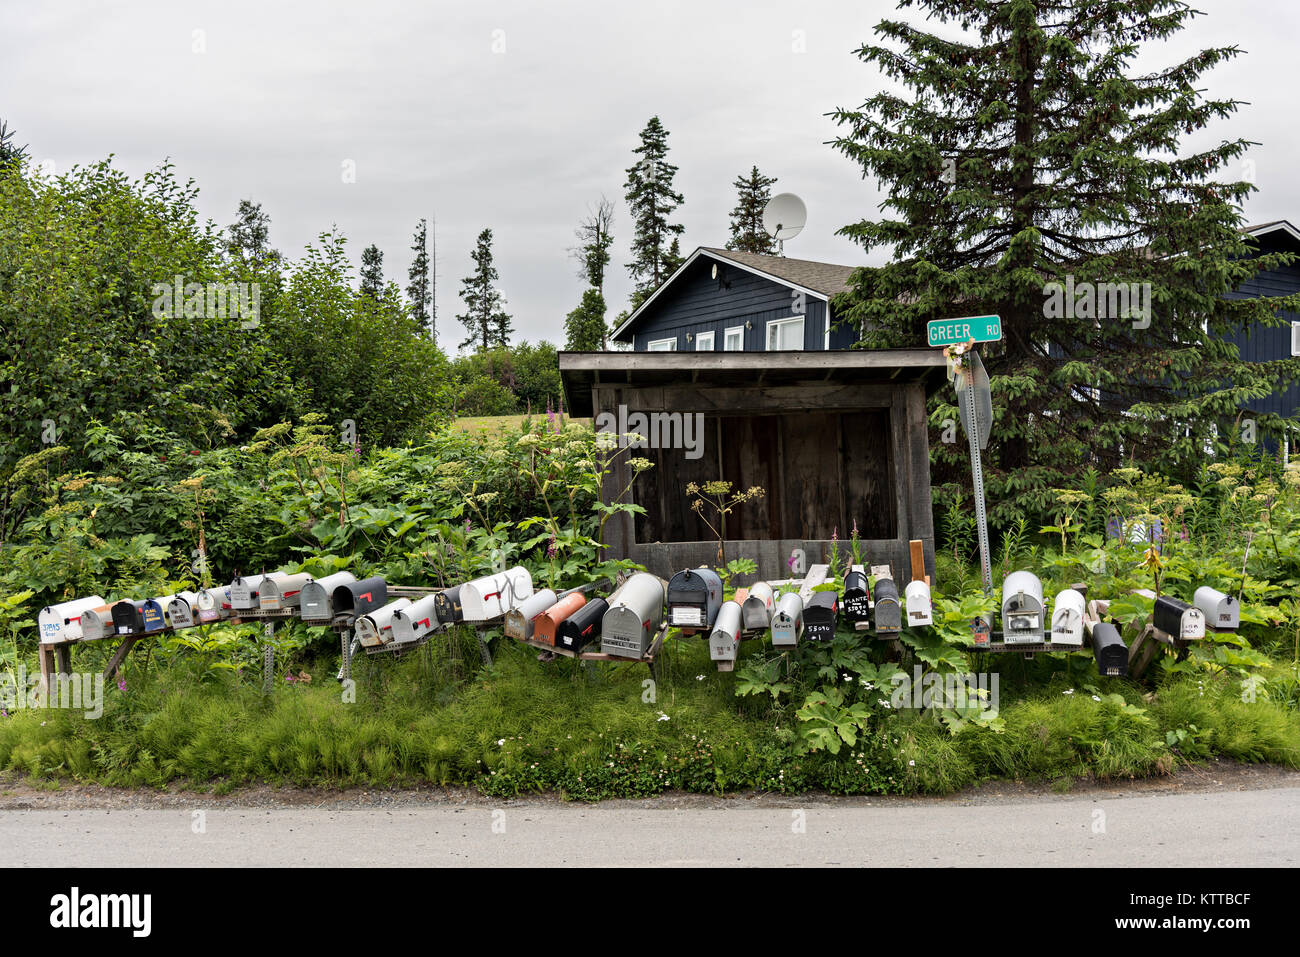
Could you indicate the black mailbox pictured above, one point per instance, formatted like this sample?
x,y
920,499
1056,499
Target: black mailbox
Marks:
x,y
819,616
582,627
447,605
1175,617
857,598
355,599
694,597
1110,650
128,617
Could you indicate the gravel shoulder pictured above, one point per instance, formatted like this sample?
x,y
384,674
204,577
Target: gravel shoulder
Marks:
x,y
18,793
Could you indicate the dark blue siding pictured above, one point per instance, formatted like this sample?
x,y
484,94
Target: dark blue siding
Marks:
x,y
1260,343
696,303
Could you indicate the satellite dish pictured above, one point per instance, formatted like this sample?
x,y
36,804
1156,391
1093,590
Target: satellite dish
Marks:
x,y
784,216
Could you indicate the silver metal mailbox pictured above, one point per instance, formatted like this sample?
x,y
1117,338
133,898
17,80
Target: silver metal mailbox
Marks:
x,y
756,612
182,611
1067,618
519,620
1022,609
277,594
316,603
484,599
376,627
1221,611
694,597
1175,617
629,626
724,640
415,620
888,610
97,623
245,591
787,623
62,622
920,609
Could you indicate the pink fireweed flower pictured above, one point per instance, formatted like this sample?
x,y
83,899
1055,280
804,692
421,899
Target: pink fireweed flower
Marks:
x,y
121,683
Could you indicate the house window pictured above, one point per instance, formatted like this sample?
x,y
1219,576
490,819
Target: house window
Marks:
x,y
734,339
785,334
662,345
704,342
1295,338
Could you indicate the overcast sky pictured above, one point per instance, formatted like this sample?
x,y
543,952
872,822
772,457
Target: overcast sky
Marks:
x,y
513,115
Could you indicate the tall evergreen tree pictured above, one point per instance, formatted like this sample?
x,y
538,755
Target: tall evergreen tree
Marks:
x,y
747,232
584,328
652,201
484,317
10,152
372,271
418,291
1027,152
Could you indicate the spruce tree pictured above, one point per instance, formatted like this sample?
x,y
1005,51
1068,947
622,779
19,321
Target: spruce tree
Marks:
x,y
487,322
1021,150
652,201
747,232
418,290
249,239
372,271
10,152
584,327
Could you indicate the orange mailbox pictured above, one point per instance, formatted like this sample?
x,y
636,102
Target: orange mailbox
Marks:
x,y
545,624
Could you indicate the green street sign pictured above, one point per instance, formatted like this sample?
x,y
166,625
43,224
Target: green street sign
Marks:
x,y
947,332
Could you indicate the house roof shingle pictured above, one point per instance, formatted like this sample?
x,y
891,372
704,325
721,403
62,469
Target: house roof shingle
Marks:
x,y
825,278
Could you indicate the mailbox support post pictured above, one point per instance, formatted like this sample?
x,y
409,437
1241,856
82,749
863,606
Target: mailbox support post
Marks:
x,y
345,670
268,658
977,472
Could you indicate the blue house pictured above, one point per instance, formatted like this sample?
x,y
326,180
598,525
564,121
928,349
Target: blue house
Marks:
x,y
1268,343
721,300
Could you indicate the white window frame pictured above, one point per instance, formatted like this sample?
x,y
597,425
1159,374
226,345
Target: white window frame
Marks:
x,y
1295,338
773,324
739,333
658,345
701,337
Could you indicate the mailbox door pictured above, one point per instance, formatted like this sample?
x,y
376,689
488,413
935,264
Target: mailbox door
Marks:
x,y
127,618
181,610
1109,650
214,604
623,633
154,613
889,616
920,610
694,597
857,596
449,605
819,616
243,592
788,623
724,641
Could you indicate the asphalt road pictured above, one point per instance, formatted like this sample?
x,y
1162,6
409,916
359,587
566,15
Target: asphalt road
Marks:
x,y
1239,828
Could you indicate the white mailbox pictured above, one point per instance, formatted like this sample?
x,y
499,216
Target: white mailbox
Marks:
x,y
277,594
492,596
1067,618
919,608
213,605
724,640
182,611
1022,608
376,628
415,621
756,612
61,623
316,601
1221,611
787,623
519,620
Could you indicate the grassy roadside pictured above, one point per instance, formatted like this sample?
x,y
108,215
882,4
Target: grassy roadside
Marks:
x,y
593,732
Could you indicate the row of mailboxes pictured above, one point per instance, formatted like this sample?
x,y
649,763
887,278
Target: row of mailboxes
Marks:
x,y
694,597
